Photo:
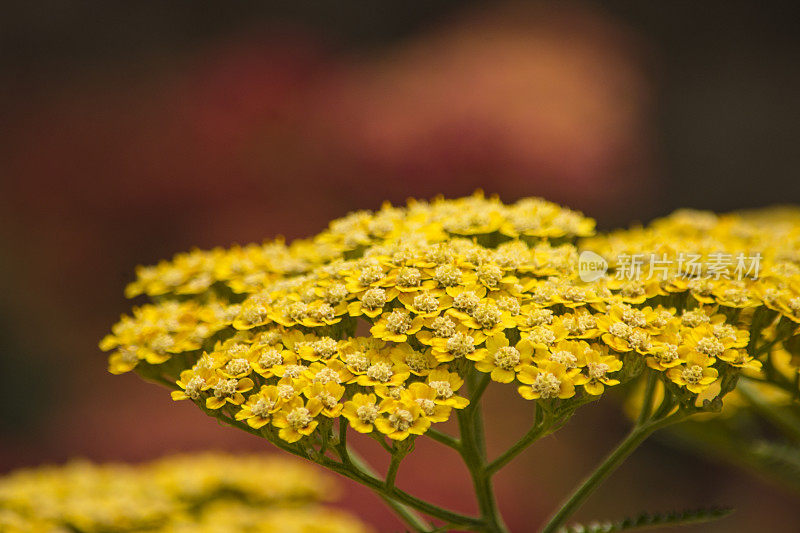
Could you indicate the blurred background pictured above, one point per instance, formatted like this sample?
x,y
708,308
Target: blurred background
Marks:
x,y
131,131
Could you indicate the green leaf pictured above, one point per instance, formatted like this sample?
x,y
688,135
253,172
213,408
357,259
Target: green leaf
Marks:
x,y
649,520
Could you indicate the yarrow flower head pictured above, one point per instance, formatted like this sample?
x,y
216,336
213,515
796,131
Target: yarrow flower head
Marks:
x,y
201,492
381,301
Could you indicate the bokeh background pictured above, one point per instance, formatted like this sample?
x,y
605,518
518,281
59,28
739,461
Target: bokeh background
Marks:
x,y
130,131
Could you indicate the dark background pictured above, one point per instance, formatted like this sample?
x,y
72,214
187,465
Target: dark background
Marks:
x,y
130,131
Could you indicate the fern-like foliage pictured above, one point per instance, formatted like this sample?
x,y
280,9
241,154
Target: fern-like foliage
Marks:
x,y
650,520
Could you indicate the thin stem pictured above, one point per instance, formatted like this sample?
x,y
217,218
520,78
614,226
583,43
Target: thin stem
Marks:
x,y
394,466
636,436
444,438
408,515
357,470
362,475
536,432
477,392
473,452
647,400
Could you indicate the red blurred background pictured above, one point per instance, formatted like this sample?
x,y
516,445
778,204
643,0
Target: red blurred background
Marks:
x,y
133,132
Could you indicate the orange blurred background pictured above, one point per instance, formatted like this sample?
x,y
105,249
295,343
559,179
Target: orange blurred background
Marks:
x,y
131,132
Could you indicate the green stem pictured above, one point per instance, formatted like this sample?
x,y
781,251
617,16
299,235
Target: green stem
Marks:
x,y
362,475
356,469
647,400
394,466
408,515
506,457
477,391
473,452
443,438
636,436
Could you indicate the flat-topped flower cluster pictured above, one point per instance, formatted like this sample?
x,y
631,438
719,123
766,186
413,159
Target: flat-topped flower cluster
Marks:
x,y
378,320
190,493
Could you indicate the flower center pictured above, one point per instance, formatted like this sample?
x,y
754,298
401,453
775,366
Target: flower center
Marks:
x,y
225,388
540,317
466,301
299,418
401,419
507,357
335,293
294,371
367,413
358,361
542,335
443,327
428,406
370,275
262,407
380,371
426,303
325,348
597,370
195,387
398,322
634,318
710,346
374,298
447,275
237,366
408,277
692,374
568,359
460,344
490,274
442,388
270,358
547,385
326,375
487,314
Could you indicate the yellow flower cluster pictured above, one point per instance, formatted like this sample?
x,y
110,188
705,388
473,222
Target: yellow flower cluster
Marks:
x,y
205,492
378,320
740,268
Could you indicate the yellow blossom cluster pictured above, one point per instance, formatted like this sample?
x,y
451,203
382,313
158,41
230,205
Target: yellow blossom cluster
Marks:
x,y
191,493
742,268
378,321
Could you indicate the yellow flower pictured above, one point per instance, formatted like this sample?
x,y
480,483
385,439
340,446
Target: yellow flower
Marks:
x,y
425,303
228,391
361,412
419,363
548,381
501,360
194,384
372,301
396,326
260,407
425,396
446,384
383,370
400,419
597,365
695,374
328,394
296,418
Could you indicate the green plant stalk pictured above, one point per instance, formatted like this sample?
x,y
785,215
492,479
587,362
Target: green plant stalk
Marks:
x,y
637,435
473,451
